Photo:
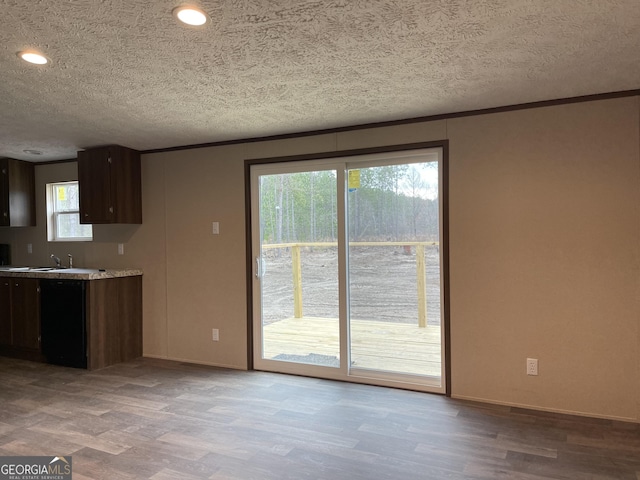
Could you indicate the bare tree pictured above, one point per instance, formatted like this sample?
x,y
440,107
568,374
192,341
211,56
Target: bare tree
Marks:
x,y
414,184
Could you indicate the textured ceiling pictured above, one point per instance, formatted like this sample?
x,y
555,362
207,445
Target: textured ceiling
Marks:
x,y
125,72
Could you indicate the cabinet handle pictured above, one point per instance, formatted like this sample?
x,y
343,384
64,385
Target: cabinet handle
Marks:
x,y
86,214
5,214
110,209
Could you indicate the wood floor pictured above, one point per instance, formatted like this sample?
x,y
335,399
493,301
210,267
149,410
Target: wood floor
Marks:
x,y
387,346
159,420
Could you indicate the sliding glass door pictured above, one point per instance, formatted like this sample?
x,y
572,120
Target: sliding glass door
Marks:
x,y
347,277
296,265
394,268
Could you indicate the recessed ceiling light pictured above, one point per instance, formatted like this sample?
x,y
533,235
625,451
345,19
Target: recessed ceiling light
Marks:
x,y
33,152
191,15
33,57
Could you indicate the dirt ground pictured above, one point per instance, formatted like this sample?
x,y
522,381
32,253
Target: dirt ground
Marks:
x,y
383,284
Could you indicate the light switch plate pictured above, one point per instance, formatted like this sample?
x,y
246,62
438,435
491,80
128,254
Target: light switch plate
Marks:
x,y
121,249
216,228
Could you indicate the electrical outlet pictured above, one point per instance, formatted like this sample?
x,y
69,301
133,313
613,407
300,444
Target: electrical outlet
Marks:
x,y
29,247
532,366
215,334
121,249
215,228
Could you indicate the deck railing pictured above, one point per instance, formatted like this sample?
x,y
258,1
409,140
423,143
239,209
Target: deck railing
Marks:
x,y
296,268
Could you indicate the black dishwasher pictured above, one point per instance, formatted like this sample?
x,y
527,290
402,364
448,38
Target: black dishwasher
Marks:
x,y
62,325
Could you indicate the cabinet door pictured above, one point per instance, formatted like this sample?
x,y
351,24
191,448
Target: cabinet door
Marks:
x,y
5,311
25,312
94,174
126,196
22,204
4,192
17,193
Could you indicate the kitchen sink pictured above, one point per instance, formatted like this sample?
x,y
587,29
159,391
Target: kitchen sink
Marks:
x,y
48,269
31,269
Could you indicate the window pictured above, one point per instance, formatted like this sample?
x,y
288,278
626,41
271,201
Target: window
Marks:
x,y
63,215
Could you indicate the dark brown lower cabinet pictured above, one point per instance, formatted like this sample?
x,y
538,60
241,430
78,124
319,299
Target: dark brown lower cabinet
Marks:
x,y
5,312
20,317
25,313
114,320
113,316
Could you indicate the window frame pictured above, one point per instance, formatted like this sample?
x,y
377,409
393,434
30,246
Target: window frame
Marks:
x,y
53,215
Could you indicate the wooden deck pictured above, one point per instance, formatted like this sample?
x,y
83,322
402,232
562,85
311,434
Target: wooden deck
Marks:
x,y
391,347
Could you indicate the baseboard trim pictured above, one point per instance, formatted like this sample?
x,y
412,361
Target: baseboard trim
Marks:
x,y
195,362
546,409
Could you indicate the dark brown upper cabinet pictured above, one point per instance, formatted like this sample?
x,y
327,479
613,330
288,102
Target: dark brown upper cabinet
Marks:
x,y
109,179
17,193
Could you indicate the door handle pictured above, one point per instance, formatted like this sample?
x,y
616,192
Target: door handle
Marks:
x,y
260,267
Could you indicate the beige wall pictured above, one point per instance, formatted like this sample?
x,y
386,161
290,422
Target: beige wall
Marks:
x,y
544,251
544,257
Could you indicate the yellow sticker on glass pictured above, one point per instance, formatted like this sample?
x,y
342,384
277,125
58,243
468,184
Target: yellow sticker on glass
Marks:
x,y
354,178
62,194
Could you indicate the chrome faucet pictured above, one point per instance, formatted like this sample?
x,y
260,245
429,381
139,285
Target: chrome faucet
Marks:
x,y
70,260
56,260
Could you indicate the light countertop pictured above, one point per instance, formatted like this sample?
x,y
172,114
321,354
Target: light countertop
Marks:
x,y
68,273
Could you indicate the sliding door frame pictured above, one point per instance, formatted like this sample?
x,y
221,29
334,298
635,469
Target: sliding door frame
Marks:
x,y
444,145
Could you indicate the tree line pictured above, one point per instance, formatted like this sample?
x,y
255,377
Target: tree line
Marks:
x,y
389,203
